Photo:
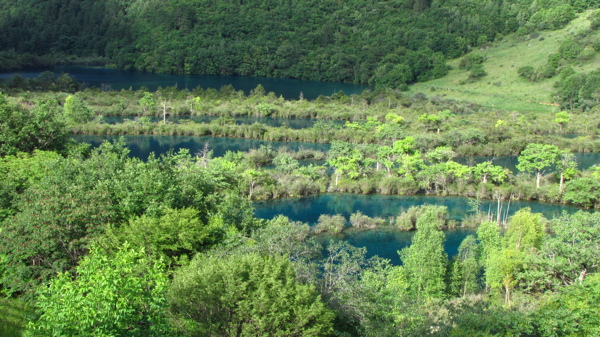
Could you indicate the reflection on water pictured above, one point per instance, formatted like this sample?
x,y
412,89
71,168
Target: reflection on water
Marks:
x,y
310,208
142,146
120,79
385,242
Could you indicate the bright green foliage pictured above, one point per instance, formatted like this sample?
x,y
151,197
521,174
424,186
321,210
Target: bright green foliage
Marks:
x,y
502,270
425,260
346,160
573,312
537,158
330,223
254,178
282,237
247,295
525,230
431,121
486,170
489,237
583,191
25,130
567,166
408,220
174,237
523,236
554,17
19,172
562,118
409,165
285,163
148,102
441,154
76,111
394,119
466,268
112,295
568,256
52,231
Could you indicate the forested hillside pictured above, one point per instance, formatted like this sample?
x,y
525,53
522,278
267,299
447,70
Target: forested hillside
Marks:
x,y
387,43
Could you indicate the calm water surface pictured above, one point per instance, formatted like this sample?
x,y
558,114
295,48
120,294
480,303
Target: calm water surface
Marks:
x,y
120,79
385,242
142,146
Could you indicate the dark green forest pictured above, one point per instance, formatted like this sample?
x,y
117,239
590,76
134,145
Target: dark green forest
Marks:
x,y
97,242
386,43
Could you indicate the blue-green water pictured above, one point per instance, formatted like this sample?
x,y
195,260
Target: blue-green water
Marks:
x,y
120,79
385,242
142,146
292,123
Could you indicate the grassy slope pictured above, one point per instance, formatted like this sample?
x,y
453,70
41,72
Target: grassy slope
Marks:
x,y
502,88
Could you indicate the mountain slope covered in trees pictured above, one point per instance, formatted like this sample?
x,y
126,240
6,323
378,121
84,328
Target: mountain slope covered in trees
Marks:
x,y
386,43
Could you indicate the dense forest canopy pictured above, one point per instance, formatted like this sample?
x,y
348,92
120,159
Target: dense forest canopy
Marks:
x,y
387,43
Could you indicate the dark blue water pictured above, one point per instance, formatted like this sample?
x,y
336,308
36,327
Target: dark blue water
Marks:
x,y
120,79
385,242
292,123
142,146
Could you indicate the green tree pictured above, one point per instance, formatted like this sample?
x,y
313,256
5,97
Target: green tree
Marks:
x,y
40,128
112,295
567,166
497,174
562,118
584,191
537,158
523,236
477,71
573,312
147,102
246,295
51,232
466,268
425,260
175,237
346,159
567,256
76,111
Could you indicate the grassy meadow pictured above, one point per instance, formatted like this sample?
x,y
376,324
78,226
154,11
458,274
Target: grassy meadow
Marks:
x,y
502,88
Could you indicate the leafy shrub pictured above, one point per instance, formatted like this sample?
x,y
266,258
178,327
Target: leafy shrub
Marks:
x,y
528,73
359,220
569,49
408,220
468,61
330,223
477,71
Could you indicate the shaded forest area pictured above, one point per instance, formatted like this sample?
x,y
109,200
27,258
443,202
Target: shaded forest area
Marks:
x,y
384,43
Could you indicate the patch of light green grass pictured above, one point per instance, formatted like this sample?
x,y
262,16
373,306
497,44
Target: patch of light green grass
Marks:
x,y
502,88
